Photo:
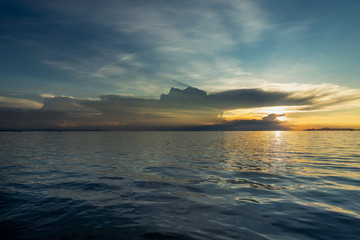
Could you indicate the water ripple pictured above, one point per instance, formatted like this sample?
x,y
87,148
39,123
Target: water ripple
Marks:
x,y
180,185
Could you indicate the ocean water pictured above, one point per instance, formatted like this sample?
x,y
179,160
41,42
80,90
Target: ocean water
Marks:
x,y
180,185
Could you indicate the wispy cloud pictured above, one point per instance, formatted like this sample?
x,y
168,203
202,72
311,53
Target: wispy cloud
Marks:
x,y
324,97
182,41
126,45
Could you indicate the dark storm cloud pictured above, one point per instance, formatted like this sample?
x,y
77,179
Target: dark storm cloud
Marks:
x,y
12,118
241,98
184,109
248,98
190,102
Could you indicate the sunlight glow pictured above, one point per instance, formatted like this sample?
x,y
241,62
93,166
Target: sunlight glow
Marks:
x,y
277,134
281,119
259,113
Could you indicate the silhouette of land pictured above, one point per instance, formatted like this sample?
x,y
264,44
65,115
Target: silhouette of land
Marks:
x,y
331,129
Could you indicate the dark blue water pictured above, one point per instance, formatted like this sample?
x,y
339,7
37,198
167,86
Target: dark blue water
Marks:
x,y
180,185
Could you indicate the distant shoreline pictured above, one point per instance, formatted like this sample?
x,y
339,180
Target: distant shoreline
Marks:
x,y
164,130
331,129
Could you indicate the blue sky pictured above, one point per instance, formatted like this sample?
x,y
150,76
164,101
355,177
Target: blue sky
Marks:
x,y
87,49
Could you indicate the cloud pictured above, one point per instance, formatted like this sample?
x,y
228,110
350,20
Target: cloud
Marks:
x,y
268,123
10,102
11,118
210,72
47,95
151,42
273,117
322,97
187,94
232,99
136,47
66,104
181,83
189,108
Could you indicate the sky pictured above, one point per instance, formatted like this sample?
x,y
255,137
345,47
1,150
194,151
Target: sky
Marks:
x,y
179,65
